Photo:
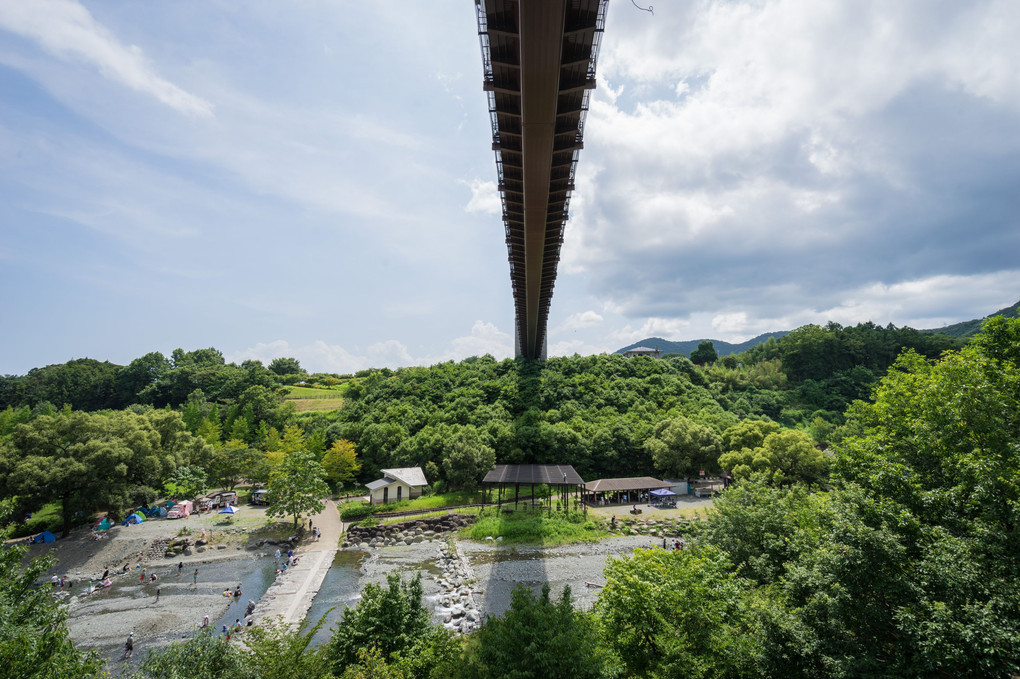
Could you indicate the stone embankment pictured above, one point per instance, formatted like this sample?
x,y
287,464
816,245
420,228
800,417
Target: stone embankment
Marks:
x,y
406,532
665,528
455,604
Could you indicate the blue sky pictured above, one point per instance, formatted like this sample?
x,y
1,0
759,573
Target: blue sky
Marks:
x,y
315,179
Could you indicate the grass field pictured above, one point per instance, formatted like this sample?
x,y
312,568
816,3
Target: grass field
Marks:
x,y
537,528
313,392
306,399
429,515
458,497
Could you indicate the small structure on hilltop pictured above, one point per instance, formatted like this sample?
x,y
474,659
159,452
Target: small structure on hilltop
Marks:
x,y
622,491
642,351
404,483
562,477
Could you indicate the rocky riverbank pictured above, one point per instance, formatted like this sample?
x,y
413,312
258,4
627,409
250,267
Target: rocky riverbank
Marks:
x,y
455,605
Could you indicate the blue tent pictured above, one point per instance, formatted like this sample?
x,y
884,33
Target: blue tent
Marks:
x,y
229,509
134,518
44,536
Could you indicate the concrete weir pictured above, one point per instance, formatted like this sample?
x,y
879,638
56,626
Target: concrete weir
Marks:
x,y
290,597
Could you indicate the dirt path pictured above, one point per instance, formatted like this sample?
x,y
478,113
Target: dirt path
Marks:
x,y
291,595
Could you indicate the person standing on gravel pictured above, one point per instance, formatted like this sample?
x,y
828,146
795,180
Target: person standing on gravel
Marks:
x,y
180,568
194,578
129,645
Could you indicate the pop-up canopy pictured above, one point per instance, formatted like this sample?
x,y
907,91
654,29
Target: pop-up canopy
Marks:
x,y
662,492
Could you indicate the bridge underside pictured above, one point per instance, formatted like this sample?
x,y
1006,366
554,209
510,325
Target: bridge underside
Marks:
x,y
539,60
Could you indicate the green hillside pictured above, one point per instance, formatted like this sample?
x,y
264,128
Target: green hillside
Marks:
x,y
686,347
970,328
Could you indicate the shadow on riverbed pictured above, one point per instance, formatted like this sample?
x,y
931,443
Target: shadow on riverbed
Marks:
x,y
340,588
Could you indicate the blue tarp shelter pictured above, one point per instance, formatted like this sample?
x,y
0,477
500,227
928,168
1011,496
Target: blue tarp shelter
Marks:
x,y
44,536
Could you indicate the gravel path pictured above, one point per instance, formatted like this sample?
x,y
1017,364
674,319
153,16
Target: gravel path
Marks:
x,y
291,595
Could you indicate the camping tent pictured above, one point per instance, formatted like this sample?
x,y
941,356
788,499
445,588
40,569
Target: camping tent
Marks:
x,y
134,518
44,536
102,524
228,510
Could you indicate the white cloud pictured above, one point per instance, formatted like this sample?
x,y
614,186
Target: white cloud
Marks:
x,y
583,319
484,197
320,356
485,338
576,346
65,28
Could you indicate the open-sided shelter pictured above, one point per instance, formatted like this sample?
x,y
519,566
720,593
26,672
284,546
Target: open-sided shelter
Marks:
x,y
562,477
621,491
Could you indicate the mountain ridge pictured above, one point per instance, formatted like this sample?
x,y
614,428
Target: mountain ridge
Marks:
x,y
687,346
962,329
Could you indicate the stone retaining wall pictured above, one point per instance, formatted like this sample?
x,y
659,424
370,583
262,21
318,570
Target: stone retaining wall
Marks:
x,y
405,532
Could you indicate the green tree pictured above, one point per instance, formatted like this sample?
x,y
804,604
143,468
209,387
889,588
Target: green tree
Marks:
x,y
206,655
341,463
186,482
34,642
787,456
747,434
285,366
680,447
678,613
466,459
297,486
704,354
392,619
84,461
276,650
538,638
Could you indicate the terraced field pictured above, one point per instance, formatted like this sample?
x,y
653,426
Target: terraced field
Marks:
x,y
312,398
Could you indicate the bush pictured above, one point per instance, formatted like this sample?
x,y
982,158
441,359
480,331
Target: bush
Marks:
x,y
357,512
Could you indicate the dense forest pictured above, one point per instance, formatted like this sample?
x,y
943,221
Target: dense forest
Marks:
x,y
902,562
605,415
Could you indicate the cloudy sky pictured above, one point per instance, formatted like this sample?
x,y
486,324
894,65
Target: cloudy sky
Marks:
x,y
315,179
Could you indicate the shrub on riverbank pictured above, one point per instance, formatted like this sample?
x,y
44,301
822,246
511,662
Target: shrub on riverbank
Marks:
x,y
537,528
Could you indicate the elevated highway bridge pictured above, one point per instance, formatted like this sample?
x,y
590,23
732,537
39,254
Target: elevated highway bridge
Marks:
x,y
539,63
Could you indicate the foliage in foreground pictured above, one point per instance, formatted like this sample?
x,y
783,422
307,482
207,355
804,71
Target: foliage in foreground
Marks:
x,y
34,643
536,638
393,622
906,568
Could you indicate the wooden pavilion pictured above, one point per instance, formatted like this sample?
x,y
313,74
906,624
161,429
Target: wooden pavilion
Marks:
x,y
562,477
622,490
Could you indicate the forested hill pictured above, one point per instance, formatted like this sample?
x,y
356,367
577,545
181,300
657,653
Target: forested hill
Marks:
x,y
686,347
972,327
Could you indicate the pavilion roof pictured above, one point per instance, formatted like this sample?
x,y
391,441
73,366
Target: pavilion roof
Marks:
x,y
549,474
632,483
